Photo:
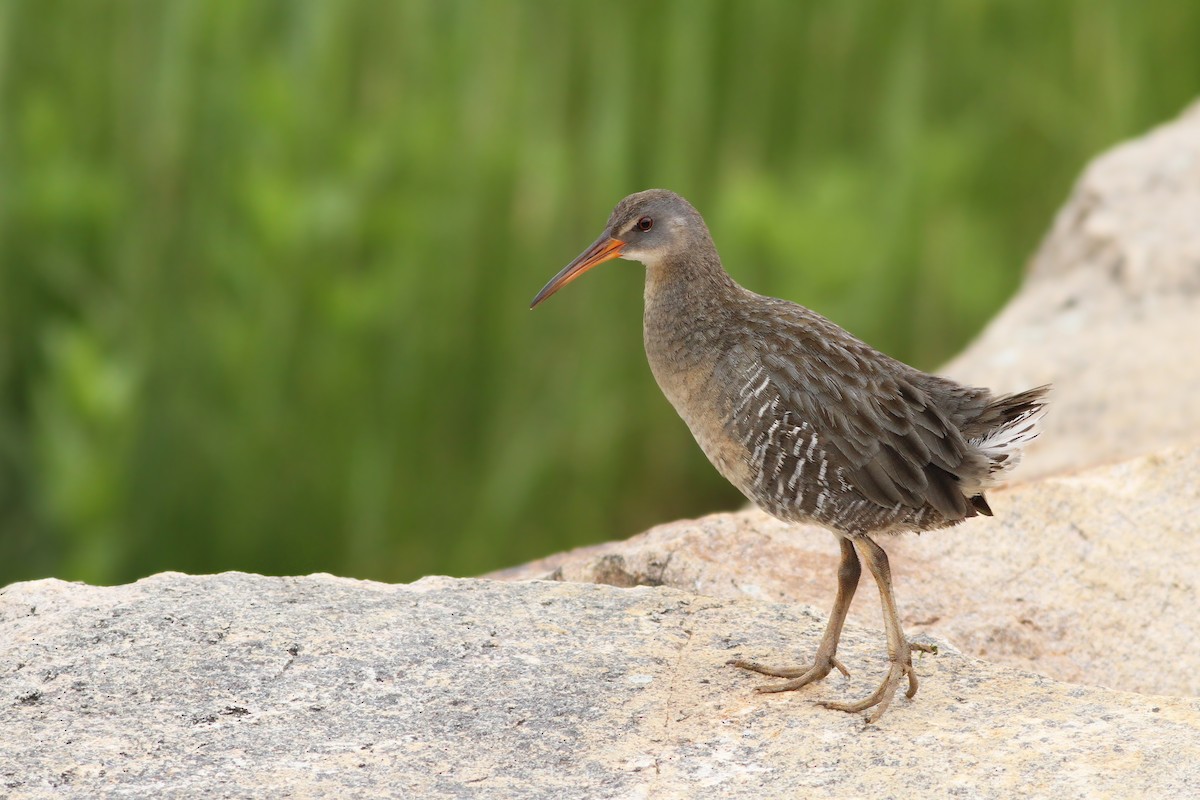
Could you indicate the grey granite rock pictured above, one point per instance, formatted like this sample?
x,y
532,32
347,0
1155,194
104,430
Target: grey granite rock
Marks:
x,y
244,686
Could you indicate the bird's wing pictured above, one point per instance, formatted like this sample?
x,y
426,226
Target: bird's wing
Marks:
x,y
873,418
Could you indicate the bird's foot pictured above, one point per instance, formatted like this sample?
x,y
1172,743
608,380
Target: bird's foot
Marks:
x,y
800,676
881,698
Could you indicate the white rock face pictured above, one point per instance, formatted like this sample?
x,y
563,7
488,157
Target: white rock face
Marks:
x,y
1110,310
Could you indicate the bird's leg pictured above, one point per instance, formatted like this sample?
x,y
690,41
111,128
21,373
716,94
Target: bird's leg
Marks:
x,y
899,648
848,573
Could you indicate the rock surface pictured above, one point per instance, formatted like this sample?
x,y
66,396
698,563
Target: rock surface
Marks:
x,y
1110,310
1089,577
243,686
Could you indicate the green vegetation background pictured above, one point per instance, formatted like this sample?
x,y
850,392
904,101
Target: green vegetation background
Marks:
x,y
265,266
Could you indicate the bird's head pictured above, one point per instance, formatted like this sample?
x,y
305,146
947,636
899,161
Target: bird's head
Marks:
x,y
649,227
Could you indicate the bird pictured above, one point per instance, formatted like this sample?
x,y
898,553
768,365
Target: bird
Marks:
x,y
810,423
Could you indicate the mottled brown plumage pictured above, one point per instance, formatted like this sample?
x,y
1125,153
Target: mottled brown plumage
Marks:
x,y
807,421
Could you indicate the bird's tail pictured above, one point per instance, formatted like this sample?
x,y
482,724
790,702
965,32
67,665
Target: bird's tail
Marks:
x,y
1005,427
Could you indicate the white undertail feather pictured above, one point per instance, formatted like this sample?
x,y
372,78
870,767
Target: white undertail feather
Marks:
x,y
1004,446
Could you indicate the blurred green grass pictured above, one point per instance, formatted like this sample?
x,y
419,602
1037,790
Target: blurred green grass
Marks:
x,y
265,266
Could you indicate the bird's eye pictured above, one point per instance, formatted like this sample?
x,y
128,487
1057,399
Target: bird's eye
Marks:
x,y
645,224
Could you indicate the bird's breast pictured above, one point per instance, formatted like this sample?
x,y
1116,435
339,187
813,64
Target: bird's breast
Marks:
x,y
690,360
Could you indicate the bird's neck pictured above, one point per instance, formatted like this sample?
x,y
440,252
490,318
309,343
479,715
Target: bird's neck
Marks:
x,y
694,287
689,305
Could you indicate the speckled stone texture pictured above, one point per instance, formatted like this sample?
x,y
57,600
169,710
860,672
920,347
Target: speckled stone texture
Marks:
x,y
244,686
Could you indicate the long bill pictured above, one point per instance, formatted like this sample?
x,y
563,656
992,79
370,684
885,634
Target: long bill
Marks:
x,y
606,248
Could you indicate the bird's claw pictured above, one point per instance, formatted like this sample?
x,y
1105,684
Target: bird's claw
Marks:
x,y
881,698
798,676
